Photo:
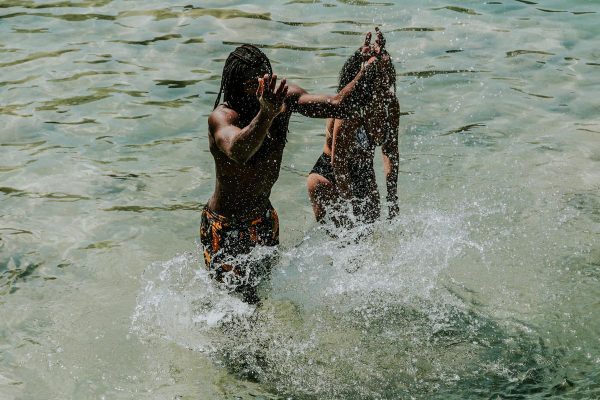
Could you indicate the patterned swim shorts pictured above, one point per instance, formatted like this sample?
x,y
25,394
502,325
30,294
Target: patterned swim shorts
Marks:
x,y
227,246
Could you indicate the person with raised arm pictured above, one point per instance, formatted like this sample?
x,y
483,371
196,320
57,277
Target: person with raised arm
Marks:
x,y
247,134
342,182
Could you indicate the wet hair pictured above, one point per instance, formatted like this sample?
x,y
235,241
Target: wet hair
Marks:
x,y
352,67
245,62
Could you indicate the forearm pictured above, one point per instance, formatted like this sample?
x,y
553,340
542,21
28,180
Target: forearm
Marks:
x,y
248,140
391,179
392,188
340,105
345,101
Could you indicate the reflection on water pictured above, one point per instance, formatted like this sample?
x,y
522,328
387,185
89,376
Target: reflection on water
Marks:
x,y
485,287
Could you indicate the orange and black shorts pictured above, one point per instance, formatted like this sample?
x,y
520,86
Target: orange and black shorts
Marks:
x,y
227,243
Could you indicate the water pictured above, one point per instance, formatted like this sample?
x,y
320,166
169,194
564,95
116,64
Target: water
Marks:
x,y
485,287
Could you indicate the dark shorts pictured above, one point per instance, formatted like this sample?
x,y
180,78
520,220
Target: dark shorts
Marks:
x,y
360,174
227,244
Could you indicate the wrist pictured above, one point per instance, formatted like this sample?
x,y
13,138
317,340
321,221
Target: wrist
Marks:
x,y
267,113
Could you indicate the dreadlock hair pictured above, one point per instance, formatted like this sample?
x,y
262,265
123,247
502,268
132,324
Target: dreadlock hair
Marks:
x,y
239,65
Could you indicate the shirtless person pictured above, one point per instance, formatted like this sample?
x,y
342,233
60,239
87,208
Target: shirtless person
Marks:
x,y
247,134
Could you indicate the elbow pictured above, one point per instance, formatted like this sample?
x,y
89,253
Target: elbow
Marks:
x,y
238,155
336,102
337,106
241,159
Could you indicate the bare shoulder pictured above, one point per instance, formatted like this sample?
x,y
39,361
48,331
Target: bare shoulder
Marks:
x,y
222,116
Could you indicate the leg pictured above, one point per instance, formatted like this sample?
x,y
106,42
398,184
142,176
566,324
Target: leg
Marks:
x,y
366,204
322,194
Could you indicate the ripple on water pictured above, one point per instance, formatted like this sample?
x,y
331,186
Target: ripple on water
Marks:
x,y
345,319
587,203
457,9
282,46
37,56
34,5
14,271
195,12
148,41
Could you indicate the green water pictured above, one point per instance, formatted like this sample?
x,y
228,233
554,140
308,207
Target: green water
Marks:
x,y
486,286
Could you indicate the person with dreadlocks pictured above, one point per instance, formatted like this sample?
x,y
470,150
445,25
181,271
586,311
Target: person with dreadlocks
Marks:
x,y
247,135
342,182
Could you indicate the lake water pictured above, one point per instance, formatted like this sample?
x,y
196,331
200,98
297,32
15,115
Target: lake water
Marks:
x,y
486,286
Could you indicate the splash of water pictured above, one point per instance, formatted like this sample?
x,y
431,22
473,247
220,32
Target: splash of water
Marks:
x,y
363,315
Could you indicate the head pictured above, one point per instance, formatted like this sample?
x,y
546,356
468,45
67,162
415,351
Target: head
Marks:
x,y
385,74
239,82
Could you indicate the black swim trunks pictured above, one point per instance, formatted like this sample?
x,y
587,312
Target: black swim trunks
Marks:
x,y
361,173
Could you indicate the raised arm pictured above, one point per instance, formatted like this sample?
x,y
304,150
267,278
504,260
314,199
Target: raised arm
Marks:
x,y
240,144
391,159
341,104
337,105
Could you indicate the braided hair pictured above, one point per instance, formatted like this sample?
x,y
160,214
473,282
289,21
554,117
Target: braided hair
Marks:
x,y
241,63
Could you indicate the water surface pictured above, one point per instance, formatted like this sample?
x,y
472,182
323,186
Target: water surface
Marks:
x,y
486,286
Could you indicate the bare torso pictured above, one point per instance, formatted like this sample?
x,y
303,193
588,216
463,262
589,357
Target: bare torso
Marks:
x,y
242,190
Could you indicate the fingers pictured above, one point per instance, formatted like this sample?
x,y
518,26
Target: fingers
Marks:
x,y
266,82
379,46
261,87
367,39
282,87
269,92
371,60
380,39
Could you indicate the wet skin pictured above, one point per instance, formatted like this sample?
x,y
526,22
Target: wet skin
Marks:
x,y
247,143
379,119
242,189
342,149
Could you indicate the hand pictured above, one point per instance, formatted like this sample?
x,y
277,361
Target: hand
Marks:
x,y
271,100
375,54
379,46
366,49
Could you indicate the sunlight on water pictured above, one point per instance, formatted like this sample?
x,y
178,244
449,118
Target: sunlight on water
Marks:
x,y
486,286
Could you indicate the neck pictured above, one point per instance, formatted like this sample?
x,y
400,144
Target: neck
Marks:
x,y
246,106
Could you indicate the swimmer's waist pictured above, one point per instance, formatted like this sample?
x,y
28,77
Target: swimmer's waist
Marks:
x,y
256,219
